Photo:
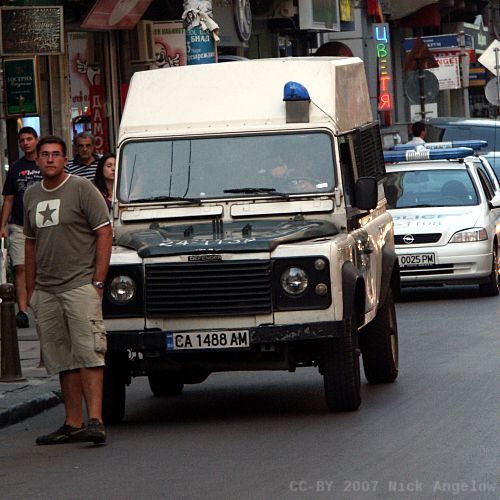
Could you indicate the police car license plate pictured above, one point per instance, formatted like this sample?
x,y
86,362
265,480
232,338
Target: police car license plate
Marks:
x,y
419,259
225,339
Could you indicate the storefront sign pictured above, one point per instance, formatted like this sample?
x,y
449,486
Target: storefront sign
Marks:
x,y
99,123
439,42
21,87
169,42
79,75
200,46
448,73
31,30
383,53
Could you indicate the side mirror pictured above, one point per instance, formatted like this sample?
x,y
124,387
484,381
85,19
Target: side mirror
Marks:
x,y
366,193
495,201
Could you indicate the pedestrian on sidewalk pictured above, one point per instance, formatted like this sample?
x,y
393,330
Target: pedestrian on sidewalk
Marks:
x,y
22,174
65,215
84,164
105,177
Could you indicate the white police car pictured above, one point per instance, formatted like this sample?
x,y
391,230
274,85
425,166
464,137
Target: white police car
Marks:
x,y
445,213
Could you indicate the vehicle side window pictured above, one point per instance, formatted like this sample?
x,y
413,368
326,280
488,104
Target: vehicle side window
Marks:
x,y
483,169
347,167
486,184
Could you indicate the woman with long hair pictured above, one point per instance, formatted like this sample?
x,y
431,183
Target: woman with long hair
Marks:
x,y
105,176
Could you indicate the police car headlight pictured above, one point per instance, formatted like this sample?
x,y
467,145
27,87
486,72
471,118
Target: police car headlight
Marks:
x,y
122,289
470,235
294,280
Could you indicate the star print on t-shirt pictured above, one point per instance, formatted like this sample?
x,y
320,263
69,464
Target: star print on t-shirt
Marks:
x,y
47,213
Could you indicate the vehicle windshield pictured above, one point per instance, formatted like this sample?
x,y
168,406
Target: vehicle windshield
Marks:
x,y
224,167
430,188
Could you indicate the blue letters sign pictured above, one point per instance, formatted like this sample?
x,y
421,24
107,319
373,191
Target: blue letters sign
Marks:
x,y
200,46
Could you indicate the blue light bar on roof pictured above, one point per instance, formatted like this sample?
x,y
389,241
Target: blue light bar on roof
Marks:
x,y
474,144
427,154
294,91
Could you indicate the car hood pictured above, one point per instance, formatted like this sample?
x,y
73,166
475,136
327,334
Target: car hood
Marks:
x,y
210,237
445,220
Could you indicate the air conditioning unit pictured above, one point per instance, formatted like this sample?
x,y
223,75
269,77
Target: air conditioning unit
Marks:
x,y
141,43
264,9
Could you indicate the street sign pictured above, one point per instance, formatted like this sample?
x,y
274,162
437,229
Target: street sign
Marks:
x,y
439,42
431,111
420,57
491,57
492,92
431,87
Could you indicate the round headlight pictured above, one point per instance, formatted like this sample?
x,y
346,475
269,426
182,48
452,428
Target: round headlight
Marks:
x,y
122,289
294,280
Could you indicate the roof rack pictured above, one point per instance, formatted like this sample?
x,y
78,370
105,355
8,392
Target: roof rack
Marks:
x,y
427,154
474,144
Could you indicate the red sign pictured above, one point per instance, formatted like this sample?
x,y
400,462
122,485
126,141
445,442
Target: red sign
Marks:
x,y
99,122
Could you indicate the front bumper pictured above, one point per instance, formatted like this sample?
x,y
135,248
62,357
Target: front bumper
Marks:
x,y
459,263
150,340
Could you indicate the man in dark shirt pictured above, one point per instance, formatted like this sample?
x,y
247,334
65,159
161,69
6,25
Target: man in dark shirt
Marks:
x,y
84,163
22,173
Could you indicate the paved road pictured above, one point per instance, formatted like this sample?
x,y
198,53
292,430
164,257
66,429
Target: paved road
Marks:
x,y
432,434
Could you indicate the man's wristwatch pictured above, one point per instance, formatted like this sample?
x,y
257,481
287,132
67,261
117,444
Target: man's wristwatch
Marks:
x,y
98,284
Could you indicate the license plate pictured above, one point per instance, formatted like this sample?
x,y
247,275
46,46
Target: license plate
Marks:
x,y
226,339
419,259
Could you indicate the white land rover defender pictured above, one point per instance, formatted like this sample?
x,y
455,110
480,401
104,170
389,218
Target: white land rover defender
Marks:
x,y
250,229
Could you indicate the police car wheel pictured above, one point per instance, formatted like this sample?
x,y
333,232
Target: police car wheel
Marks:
x,y
492,287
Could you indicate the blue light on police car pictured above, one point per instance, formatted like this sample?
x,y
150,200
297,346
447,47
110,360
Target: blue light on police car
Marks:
x,y
294,91
427,154
474,144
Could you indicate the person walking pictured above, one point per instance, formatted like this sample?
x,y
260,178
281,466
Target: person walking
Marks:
x,y
22,174
84,164
105,177
65,215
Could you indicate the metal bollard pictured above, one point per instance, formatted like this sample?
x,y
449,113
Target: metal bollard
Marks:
x,y
10,362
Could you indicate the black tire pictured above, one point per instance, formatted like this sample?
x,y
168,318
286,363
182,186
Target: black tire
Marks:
x,y
492,287
165,384
115,380
378,342
340,369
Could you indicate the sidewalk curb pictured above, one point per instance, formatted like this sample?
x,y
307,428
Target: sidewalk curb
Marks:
x,y
17,412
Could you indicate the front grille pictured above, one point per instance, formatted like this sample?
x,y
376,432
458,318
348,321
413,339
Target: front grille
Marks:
x,y
418,239
209,288
427,270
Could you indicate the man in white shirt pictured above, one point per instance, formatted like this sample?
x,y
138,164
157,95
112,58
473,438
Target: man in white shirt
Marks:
x,y
418,130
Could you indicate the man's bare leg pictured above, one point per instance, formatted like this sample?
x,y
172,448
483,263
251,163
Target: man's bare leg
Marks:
x,y
21,294
71,387
92,380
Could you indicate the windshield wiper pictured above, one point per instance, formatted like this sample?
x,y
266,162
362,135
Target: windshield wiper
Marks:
x,y
258,190
193,201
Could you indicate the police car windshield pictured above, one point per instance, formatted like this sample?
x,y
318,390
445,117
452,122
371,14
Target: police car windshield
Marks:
x,y
220,167
430,188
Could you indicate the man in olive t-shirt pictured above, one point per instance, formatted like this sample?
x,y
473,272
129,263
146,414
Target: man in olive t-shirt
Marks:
x,y
67,252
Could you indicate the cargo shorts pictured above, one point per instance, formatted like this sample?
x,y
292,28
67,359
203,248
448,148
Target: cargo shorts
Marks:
x,y
71,328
